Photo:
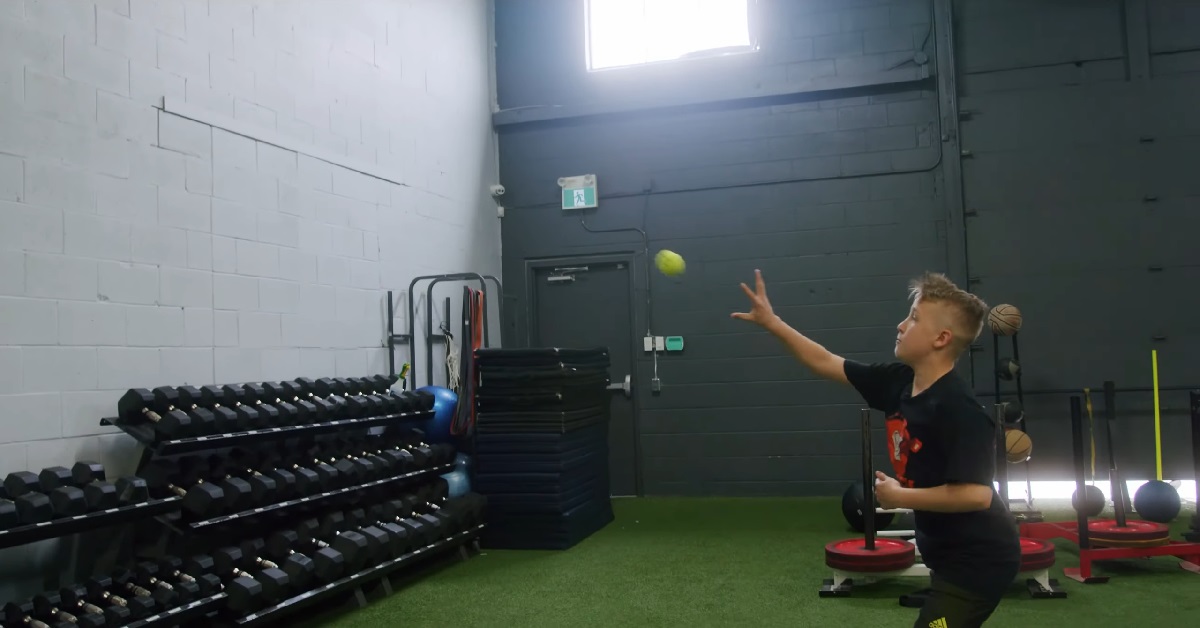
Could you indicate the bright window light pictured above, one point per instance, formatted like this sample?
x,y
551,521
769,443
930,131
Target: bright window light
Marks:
x,y
633,32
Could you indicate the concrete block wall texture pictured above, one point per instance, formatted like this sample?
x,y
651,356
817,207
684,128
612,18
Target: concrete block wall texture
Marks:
x,y
836,198
142,248
840,198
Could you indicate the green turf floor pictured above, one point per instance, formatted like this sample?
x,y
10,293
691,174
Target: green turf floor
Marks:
x,y
708,562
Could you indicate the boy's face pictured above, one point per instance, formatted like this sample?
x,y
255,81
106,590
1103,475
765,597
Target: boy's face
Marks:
x,y
922,332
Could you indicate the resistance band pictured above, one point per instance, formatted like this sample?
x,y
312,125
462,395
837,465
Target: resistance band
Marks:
x,y
1157,424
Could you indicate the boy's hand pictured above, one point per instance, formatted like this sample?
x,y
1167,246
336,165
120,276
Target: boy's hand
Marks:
x,y
760,308
888,491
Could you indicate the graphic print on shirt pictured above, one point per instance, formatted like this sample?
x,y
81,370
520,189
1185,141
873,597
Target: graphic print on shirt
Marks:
x,y
900,445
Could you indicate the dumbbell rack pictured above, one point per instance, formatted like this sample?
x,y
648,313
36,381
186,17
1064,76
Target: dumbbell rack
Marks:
x,y
180,525
32,533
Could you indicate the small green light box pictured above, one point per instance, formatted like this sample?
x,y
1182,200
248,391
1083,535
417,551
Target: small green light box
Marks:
x,y
674,343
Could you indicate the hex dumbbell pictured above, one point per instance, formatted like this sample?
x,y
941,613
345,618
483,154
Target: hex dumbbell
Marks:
x,y
202,498
156,407
328,563
274,582
101,588
74,599
47,606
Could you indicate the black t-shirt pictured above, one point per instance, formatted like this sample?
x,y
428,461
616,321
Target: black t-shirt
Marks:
x,y
942,436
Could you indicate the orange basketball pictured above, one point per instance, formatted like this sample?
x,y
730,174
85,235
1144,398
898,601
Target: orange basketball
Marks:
x,y
1005,319
1018,444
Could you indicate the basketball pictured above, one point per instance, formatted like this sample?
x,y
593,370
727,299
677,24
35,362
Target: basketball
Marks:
x,y
1005,319
1018,444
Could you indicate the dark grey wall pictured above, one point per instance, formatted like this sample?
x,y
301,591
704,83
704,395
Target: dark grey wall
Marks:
x,y
1082,134
820,160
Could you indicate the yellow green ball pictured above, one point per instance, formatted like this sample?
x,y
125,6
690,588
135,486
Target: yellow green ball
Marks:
x,y
669,263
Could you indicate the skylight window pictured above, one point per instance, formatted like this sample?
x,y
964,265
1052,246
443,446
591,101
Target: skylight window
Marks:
x,y
625,33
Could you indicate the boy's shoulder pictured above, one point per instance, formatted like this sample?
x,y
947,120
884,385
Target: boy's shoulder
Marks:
x,y
955,397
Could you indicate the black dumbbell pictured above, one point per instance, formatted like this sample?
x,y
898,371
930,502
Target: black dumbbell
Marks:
x,y
157,408
85,472
245,592
423,400
206,582
126,581
264,415
274,581
370,466
318,476
74,599
328,563
379,542
307,481
283,397
254,395
298,567
371,520
263,490
100,588
306,390
224,420
318,409
436,523
68,501
349,472
9,517
474,505
245,417
285,481
331,390
19,483
204,420
399,457
47,606
132,490
351,545
179,593
100,496
34,508
202,498
19,615
53,477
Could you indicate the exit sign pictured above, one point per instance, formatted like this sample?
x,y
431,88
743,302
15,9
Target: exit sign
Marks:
x,y
578,192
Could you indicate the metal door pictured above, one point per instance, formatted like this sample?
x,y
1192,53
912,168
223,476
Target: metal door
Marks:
x,y
587,302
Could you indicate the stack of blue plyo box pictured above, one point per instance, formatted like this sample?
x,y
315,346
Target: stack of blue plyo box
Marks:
x,y
541,445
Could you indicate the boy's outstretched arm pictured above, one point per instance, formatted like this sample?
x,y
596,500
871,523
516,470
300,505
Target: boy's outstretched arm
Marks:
x,y
817,358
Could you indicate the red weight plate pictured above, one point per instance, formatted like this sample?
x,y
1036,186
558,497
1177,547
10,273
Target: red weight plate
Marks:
x,y
1136,533
1036,554
852,555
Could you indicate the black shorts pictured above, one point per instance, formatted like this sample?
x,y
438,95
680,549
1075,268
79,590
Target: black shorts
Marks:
x,y
951,606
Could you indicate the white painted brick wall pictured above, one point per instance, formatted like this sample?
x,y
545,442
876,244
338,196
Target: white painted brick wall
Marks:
x,y
142,248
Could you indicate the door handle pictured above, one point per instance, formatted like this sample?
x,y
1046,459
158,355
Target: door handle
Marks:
x,y
626,386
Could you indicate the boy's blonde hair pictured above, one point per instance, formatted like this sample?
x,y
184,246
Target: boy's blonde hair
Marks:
x,y
967,311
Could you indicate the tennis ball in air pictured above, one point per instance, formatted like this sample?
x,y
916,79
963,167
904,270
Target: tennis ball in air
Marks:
x,y
669,263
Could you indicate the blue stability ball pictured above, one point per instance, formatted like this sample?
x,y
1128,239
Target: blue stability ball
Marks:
x,y
458,483
445,404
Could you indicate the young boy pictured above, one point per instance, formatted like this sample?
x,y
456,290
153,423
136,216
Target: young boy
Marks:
x,y
941,442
